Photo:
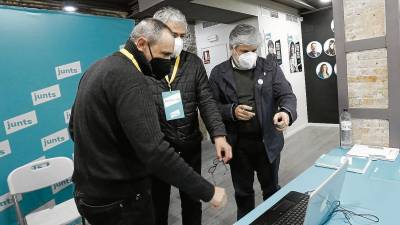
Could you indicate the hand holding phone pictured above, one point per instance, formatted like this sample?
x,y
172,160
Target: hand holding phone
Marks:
x,y
244,112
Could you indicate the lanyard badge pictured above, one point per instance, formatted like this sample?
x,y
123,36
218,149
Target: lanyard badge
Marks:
x,y
173,104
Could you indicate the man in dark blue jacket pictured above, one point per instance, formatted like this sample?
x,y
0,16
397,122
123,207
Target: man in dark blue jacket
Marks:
x,y
257,104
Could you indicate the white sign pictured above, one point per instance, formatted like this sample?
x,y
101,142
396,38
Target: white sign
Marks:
x,y
67,115
20,122
6,201
46,94
55,139
68,70
5,148
57,187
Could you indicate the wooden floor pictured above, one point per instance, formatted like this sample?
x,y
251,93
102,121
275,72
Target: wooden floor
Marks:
x,y
300,152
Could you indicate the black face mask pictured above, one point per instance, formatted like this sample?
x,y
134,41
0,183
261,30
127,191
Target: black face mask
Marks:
x,y
160,67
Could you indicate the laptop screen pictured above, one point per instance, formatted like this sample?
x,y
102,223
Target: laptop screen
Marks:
x,y
325,198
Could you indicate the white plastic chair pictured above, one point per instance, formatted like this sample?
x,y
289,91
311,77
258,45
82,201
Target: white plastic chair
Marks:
x,y
37,175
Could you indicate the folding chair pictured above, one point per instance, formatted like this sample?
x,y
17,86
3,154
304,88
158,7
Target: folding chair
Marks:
x,y
37,175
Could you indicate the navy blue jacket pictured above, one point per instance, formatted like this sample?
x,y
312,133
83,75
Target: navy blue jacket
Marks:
x,y
273,93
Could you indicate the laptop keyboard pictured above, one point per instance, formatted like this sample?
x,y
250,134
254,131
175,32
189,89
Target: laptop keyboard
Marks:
x,y
296,215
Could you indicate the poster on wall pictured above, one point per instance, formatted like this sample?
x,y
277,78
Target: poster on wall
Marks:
x,y
295,62
206,57
273,48
324,70
213,55
330,47
298,57
314,49
38,108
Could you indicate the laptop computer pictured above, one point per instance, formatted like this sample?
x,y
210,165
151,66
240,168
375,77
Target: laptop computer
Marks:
x,y
297,208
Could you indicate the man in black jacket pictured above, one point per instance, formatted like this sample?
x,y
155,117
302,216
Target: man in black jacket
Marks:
x,y
188,81
118,141
257,103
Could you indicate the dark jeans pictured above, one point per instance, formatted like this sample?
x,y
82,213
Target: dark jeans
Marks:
x,y
249,156
191,209
137,210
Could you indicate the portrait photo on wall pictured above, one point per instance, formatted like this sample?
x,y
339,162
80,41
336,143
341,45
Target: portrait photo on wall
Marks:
x,y
324,70
330,47
206,57
298,57
295,62
314,49
273,48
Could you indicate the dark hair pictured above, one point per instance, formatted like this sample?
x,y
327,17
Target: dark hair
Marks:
x,y
270,43
331,42
331,51
320,68
290,49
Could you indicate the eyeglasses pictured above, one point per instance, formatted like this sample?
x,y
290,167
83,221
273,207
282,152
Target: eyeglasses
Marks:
x,y
212,169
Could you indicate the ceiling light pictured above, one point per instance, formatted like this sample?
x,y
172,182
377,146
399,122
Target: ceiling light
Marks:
x,y
325,1
69,8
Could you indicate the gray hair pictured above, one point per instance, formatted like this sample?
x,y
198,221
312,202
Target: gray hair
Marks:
x,y
244,34
169,14
149,28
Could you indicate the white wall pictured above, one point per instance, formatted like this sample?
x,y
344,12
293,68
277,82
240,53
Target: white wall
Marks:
x,y
220,45
279,27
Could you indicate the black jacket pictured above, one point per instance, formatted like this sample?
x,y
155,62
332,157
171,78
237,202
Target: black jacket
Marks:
x,y
272,94
191,80
118,141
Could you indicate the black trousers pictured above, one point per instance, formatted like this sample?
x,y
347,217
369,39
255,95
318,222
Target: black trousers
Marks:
x,y
249,156
137,210
191,209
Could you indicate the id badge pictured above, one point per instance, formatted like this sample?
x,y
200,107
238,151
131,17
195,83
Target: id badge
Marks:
x,y
173,105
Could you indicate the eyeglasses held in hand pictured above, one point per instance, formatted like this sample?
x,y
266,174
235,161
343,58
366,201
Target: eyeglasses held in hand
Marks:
x,y
212,169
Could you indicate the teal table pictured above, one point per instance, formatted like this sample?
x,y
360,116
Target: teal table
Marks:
x,y
376,192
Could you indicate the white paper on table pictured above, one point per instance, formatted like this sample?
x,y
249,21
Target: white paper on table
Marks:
x,y
374,152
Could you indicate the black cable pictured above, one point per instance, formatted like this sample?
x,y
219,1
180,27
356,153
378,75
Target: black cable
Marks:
x,y
309,192
348,214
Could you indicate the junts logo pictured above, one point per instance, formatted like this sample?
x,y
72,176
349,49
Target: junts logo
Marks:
x,y
20,122
55,139
5,148
67,115
175,113
172,100
68,70
6,201
57,187
46,94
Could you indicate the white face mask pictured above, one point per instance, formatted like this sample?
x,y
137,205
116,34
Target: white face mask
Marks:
x,y
178,46
247,60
